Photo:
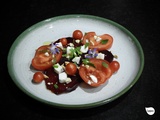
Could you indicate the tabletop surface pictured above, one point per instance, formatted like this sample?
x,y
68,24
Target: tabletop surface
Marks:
x,y
140,17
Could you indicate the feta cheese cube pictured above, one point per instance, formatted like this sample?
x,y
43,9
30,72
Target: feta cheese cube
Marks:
x,y
84,49
68,80
69,49
46,54
62,77
77,41
89,82
71,44
87,41
100,56
59,45
97,38
58,68
93,78
76,59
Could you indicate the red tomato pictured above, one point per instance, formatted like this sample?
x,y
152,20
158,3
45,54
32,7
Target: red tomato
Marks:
x,y
42,61
77,34
103,44
101,72
71,68
38,77
114,65
63,41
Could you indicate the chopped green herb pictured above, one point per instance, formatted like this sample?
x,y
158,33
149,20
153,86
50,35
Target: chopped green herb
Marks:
x,y
91,64
55,66
86,62
54,60
64,55
56,86
104,41
86,45
72,53
105,64
64,50
78,50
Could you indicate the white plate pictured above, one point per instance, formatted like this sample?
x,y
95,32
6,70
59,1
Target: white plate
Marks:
x,y
125,45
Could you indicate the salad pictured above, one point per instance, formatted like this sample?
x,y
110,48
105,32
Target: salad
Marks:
x,y
67,62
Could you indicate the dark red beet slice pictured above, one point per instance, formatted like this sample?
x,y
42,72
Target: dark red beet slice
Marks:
x,y
52,83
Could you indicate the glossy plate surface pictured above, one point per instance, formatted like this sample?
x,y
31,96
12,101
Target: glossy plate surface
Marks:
x,y
125,45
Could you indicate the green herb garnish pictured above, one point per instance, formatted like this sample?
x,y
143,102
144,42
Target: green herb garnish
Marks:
x,y
91,64
72,53
87,62
77,49
64,55
105,64
104,41
55,66
54,60
86,45
55,86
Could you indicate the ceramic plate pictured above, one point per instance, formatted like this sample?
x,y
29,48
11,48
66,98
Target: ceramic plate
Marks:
x,y
125,45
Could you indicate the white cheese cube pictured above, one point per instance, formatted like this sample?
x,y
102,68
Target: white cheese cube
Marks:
x,y
77,41
46,54
84,49
69,49
68,80
59,45
62,77
71,44
89,82
93,78
97,38
76,59
58,69
100,56
87,41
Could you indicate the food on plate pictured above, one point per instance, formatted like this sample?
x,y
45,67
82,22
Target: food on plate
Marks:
x,y
69,61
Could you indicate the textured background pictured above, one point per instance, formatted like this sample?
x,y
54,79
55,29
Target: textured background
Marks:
x,y
139,17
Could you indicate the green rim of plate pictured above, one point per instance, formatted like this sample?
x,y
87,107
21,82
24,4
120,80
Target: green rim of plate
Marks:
x,y
80,106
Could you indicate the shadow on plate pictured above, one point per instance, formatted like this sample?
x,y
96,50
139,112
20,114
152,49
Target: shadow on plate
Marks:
x,y
89,89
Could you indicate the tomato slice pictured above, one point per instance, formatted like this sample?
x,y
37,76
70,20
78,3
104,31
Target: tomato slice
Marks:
x,y
101,42
98,75
44,59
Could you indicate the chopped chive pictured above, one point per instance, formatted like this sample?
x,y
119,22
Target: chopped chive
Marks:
x,y
77,49
64,55
91,64
55,66
86,62
54,60
55,86
105,64
86,45
104,41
